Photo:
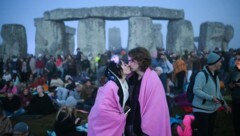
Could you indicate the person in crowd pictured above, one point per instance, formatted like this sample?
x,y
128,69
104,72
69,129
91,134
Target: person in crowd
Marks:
x,y
51,69
67,120
149,113
24,70
167,67
88,89
7,76
234,85
2,83
32,65
40,103
25,97
12,105
9,87
21,129
107,116
5,122
79,62
70,66
40,65
179,72
59,64
56,81
70,84
207,97
76,93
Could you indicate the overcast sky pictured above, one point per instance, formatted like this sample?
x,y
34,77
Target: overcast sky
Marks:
x,y
197,11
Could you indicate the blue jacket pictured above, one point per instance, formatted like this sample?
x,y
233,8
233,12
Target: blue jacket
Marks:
x,y
205,91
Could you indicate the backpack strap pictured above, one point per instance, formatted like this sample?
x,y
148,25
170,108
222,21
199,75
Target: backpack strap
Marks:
x,y
204,100
206,75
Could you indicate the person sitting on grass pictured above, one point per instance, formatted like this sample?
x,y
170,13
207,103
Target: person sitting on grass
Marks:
x,y
67,120
40,103
21,129
5,122
12,105
25,97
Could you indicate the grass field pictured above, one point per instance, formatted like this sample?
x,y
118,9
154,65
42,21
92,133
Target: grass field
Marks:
x,y
39,126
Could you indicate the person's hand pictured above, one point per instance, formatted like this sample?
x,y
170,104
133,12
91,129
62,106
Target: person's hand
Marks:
x,y
228,109
215,100
77,120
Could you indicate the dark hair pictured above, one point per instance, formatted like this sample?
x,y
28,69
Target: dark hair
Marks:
x,y
114,68
142,56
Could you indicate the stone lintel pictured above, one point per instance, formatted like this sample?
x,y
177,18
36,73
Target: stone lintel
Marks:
x,y
114,13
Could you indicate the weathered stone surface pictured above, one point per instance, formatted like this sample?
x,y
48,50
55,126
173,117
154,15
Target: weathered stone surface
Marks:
x,y
141,33
114,13
180,36
91,36
14,40
70,40
49,37
158,37
114,38
229,33
212,35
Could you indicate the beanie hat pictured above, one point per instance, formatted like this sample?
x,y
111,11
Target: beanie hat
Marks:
x,y
21,127
213,58
71,101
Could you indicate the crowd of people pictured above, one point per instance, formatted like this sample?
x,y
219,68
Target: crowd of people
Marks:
x,y
124,92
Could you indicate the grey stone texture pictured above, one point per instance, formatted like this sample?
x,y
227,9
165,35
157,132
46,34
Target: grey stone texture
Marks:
x,y
49,37
114,38
180,36
70,40
14,40
214,34
91,36
141,33
158,37
114,13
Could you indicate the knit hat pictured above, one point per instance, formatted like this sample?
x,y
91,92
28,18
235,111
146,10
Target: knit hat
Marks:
x,y
21,127
71,101
213,58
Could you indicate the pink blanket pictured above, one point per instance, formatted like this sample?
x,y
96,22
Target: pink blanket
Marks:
x,y
106,117
153,106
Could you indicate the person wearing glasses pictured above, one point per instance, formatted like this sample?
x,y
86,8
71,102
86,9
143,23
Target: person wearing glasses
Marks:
x,y
234,85
149,113
108,115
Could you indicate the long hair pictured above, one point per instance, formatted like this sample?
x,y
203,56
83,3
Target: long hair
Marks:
x,y
142,56
70,111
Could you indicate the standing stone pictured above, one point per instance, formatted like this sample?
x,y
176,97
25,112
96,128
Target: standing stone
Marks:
x,y
49,37
114,39
141,33
14,40
91,36
211,35
229,33
158,37
70,40
180,36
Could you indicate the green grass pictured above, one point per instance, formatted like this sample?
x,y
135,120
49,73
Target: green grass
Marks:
x,y
39,126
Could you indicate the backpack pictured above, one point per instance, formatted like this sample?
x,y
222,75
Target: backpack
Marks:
x,y
190,94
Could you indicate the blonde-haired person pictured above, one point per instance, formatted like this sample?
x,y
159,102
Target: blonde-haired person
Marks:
x,y
67,120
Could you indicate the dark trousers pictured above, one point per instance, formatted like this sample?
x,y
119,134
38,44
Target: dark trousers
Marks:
x,y
180,80
204,123
236,117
